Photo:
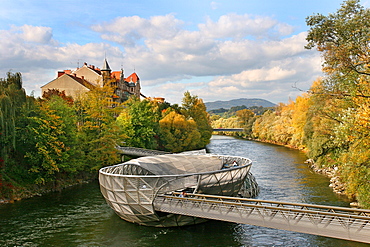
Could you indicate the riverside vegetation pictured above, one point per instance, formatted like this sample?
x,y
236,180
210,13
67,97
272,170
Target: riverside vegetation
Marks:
x,y
50,143
331,121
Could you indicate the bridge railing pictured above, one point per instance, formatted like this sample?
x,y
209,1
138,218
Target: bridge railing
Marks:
x,y
284,205
338,222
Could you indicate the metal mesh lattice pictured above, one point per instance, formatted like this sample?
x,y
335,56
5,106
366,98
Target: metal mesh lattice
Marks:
x,y
131,187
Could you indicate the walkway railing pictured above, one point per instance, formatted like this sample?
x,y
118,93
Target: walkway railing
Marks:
x,y
336,222
139,151
229,129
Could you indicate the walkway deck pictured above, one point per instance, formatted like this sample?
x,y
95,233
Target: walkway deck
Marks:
x,y
336,222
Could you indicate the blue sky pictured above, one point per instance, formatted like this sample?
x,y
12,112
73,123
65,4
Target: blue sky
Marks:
x,y
218,50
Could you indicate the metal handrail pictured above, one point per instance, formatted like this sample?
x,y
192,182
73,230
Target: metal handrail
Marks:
x,y
198,198
336,222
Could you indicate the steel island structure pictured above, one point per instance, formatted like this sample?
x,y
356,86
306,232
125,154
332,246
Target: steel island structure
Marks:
x,y
130,188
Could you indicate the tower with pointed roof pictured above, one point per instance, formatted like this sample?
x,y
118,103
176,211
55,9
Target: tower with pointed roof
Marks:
x,y
106,72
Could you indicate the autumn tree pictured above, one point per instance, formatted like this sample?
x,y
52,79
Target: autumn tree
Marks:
x,y
60,108
55,92
39,143
275,126
195,109
98,131
263,126
343,97
177,133
299,120
244,115
231,122
283,129
246,118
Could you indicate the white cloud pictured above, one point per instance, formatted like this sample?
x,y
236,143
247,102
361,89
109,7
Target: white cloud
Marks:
x,y
128,31
241,55
235,26
215,5
41,35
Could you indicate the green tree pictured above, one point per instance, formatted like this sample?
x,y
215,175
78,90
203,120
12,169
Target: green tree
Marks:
x,y
61,108
12,98
321,121
343,38
40,134
44,142
139,122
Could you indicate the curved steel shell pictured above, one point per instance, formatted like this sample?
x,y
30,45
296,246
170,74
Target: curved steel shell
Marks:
x,y
131,187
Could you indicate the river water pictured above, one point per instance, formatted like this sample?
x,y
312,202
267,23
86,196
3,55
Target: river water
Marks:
x,y
79,216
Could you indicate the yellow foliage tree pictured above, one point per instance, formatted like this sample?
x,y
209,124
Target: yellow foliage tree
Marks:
x,y
177,133
299,119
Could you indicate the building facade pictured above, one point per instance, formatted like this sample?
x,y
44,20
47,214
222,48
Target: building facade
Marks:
x,y
88,77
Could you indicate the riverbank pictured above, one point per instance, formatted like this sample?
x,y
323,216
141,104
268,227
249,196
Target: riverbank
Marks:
x,y
331,172
337,186
20,193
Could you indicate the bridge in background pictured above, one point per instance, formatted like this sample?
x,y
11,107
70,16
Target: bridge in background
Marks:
x,y
336,222
229,129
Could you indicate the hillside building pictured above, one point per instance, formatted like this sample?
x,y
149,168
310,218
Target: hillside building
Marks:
x,y
87,77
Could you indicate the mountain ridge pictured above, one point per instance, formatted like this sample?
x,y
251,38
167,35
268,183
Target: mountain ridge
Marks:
x,y
227,104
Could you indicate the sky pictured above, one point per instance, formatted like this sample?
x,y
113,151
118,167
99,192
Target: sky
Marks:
x,y
216,50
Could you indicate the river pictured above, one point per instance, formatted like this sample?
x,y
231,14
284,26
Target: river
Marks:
x,y
79,216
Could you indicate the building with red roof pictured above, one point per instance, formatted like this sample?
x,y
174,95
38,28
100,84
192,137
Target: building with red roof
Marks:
x,y
87,77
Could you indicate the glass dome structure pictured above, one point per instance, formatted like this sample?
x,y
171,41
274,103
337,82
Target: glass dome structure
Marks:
x,y
131,187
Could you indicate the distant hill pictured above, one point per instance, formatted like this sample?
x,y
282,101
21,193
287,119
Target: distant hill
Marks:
x,y
238,102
